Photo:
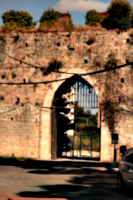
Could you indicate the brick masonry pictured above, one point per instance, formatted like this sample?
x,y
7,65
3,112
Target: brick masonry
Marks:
x,y
25,122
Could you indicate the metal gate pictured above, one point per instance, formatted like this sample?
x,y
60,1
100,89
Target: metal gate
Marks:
x,y
86,143
90,145
85,95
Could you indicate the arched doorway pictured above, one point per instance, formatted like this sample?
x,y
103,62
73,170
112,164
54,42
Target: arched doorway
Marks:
x,y
75,128
46,131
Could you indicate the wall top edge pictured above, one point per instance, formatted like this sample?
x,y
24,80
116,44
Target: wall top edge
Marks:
x,y
76,31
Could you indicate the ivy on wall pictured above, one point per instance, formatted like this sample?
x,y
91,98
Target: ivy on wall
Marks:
x,y
54,65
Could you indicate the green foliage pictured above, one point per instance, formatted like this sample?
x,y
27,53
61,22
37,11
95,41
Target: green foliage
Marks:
x,y
14,18
79,111
109,113
59,101
84,118
54,65
112,61
84,142
119,15
93,18
50,16
6,157
71,22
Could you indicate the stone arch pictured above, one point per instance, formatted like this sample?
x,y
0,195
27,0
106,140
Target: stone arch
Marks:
x,y
55,85
46,113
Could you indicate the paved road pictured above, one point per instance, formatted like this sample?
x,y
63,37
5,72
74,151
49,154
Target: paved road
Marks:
x,y
71,180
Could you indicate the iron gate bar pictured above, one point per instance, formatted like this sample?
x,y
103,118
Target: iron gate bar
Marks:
x,y
91,145
83,98
93,96
79,86
90,138
86,95
81,95
93,100
78,93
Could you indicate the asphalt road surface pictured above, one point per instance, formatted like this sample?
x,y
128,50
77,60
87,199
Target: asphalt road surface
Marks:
x,y
69,180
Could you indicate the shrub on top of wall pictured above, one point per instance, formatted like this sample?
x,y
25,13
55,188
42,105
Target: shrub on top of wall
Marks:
x,y
93,18
13,19
51,18
119,15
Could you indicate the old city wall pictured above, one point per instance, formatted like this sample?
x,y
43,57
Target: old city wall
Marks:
x,y
26,94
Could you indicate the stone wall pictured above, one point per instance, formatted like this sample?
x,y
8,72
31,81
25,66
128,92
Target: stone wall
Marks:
x,y
27,92
19,130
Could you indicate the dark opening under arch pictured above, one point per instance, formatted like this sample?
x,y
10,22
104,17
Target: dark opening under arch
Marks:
x,y
74,108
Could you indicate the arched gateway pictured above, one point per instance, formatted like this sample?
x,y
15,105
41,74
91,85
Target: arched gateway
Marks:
x,y
46,137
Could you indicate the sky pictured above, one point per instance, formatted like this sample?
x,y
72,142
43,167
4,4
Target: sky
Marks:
x,y
77,8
